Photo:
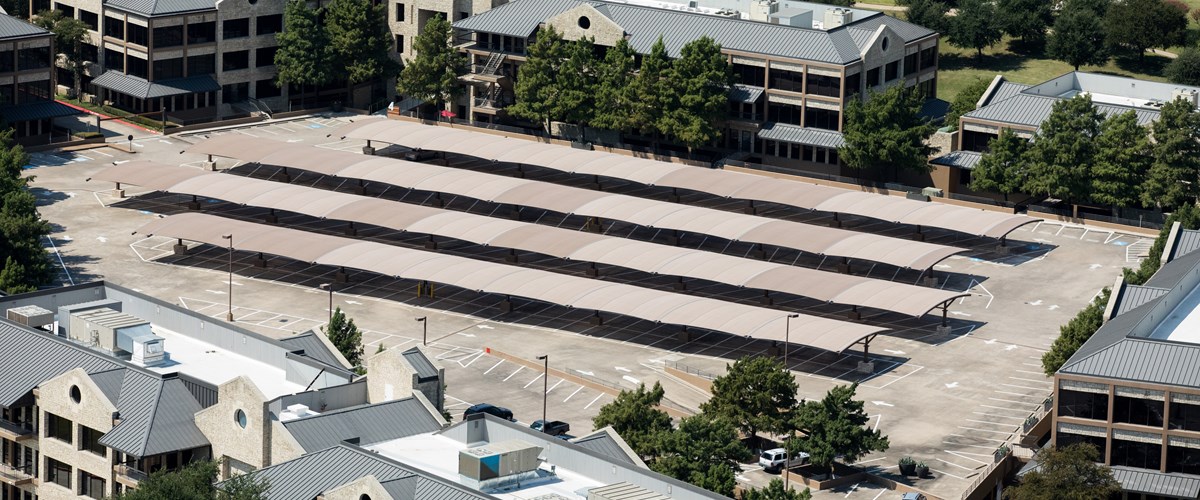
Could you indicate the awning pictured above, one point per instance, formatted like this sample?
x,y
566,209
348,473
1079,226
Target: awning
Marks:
x,y
553,241
820,240
965,160
745,93
724,183
40,110
1150,482
503,279
140,88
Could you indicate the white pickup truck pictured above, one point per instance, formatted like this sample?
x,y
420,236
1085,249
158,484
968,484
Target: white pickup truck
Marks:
x,y
773,460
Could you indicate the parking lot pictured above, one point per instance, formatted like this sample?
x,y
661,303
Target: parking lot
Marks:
x,y
947,401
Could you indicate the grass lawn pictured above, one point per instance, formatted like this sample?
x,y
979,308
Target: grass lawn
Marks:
x,y
958,67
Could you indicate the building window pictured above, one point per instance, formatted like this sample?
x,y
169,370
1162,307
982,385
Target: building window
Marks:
x,y
238,59
58,473
832,158
750,75
7,61
783,113
235,28
929,58
90,486
67,10
235,92
910,64
1184,416
34,92
872,77
820,118
1136,454
240,417
266,88
114,60
854,84
1082,404
1066,439
399,43
137,67
58,428
168,36
268,25
1183,459
824,85
265,56
114,27
202,65
1137,411
138,35
91,19
787,80
399,12
89,439
202,32
891,71
34,58
168,68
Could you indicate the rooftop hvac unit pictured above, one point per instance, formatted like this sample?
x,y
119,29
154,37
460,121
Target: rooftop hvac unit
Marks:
x,y
31,316
498,460
1188,95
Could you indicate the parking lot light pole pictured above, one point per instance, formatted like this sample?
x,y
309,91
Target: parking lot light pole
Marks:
x,y
229,315
424,329
329,286
787,336
545,385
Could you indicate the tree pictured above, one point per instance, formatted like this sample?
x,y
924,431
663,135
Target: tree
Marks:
x,y
1185,68
633,414
928,13
536,88
22,230
1142,24
833,426
886,131
432,76
1070,473
195,482
704,451
976,26
359,40
1174,176
303,56
69,36
1002,168
1063,150
966,100
615,93
1122,161
1078,37
1025,19
651,91
1073,334
700,80
755,394
776,491
344,335
576,82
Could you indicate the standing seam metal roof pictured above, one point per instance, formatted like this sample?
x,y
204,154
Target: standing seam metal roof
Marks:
x,y
1187,242
161,7
724,183
54,357
313,348
796,134
966,160
318,472
420,363
369,423
1150,482
11,27
1031,110
157,416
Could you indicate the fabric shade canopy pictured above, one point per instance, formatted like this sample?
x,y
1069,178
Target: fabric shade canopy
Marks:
x,y
712,181
553,241
545,286
569,200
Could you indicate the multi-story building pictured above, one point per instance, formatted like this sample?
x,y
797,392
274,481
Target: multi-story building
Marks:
x,y
1133,389
192,59
796,64
27,80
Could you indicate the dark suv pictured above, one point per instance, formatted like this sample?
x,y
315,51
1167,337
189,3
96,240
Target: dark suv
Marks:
x,y
492,410
555,428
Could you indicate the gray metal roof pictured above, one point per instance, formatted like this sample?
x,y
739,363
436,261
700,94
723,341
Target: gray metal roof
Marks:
x,y
1004,90
1142,360
796,134
644,25
1133,296
934,109
54,357
604,443
958,159
1031,110
1187,242
161,7
110,383
626,491
1150,482
140,88
157,416
11,27
372,423
39,110
314,348
745,93
421,364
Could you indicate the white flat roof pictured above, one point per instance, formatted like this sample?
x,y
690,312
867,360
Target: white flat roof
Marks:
x,y
1183,323
1118,100
438,455
217,365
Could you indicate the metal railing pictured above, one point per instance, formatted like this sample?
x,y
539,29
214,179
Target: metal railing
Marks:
x,y
16,473
17,428
692,371
131,472
1009,446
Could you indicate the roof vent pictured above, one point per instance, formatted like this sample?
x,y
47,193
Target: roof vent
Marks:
x,y
31,316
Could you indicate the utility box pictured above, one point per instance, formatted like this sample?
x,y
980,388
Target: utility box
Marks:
x,y
65,312
497,460
31,316
118,333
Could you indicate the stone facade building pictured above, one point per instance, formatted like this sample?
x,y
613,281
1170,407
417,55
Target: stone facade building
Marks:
x,y
27,80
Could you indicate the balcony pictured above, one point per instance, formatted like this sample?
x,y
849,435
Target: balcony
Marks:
x,y
16,475
129,475
16,431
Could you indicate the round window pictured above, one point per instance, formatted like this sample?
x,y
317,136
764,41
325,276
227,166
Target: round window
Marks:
x,y
884,44
584,22
76,396
240,417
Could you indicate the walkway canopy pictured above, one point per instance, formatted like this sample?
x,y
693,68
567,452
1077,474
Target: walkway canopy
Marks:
x,y
140,88
545,286
556,242
723,183
817,240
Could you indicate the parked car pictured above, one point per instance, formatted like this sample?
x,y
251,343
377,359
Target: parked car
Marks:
x,y
554,428
912,496
774,460
420,155
493,410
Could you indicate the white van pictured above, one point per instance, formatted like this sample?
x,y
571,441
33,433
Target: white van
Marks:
x,y
773,460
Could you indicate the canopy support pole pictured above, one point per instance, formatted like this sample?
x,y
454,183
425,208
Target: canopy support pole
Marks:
x,y
431,244
350,230
287,177
520,171
596,183
361,188
836,222
341,276
944,328
592,270
512,256
118,192
260,261
194,204
759,251
918,236
506,305
766,298
750,208
854,315
180,248
866,365
674,197
680,285
673,239
437,200
271,218
368,150
844,266
596,319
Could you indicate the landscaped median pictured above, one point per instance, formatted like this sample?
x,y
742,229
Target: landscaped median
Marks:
x,y
111,112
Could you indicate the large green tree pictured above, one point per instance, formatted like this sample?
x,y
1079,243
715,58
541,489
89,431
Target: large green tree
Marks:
x,y
615,93
1185,68
346,336
69,36
1025,19
704,451
359,40
537,88
977,25
1174,177
1002,167
886,132
1078,36
1064,149
1122,161
700,80
775,490
966,100
576,82
635,416
1142,24
22,231
432,76
651,91
303,57
1073,334
928,13
835,426
195,481
756,394
1071,473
